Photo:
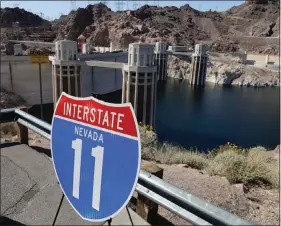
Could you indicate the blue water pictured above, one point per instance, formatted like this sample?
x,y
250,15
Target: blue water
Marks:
x,y
206,118
209,117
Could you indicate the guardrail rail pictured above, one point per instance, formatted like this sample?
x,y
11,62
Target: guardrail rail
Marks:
x,y
172,198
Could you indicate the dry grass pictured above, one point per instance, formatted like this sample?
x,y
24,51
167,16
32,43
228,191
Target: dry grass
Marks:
x,y
238,165
171,154
8,129
254,167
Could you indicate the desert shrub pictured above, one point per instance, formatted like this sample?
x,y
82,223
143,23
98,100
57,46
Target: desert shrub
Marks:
x,y
252,167
8,128
229,164
148,137
167,153
258,168
228,147
237,164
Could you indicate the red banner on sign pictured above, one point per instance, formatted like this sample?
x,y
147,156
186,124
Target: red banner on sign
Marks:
x,y
117,118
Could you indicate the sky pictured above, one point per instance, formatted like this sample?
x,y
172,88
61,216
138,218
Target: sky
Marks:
x,y
53,9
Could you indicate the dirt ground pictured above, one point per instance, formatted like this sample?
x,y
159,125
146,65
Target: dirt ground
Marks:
x,y
255,204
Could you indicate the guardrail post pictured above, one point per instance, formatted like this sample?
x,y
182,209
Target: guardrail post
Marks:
x,y
145,207
22,131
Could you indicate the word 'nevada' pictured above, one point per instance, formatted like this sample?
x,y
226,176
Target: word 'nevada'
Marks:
x,y
93,115
87,133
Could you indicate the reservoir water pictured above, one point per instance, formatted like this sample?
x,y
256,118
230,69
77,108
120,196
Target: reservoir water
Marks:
x,y
208,117
214,115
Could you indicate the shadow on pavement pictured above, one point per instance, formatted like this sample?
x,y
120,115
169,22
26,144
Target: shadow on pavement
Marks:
x,y
159,220
45,151
8,144
8,221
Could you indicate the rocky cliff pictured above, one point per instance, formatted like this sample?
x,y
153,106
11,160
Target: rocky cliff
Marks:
x,y
25,18
177,26
101,26
225,69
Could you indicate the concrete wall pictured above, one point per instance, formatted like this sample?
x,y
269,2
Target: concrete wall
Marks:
x,y
256,41
25,77
102,80
261,59
255,58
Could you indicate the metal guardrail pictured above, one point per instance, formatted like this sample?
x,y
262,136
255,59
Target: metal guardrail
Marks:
x,y
172,198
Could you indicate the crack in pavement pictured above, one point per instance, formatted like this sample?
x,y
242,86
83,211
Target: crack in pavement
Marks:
x,y
25,193
11,207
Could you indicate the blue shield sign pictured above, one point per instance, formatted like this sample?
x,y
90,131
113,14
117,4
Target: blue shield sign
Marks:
x,y
96,155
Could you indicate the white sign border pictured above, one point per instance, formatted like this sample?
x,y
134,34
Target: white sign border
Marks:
x,y
139,147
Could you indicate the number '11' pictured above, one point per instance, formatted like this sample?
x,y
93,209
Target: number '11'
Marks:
x,y
97,153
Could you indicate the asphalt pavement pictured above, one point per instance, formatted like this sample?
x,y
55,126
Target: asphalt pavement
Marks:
x,y
30,193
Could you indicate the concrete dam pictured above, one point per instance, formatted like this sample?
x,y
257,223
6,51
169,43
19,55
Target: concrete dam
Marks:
x,y
136,72
20,76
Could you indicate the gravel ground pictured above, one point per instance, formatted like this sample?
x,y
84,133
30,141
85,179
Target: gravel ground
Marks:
x,y
256,205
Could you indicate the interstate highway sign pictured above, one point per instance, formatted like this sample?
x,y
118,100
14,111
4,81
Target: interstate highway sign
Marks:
x,y
96,155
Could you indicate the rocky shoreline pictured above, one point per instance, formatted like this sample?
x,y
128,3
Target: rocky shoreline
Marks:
x,y
225,70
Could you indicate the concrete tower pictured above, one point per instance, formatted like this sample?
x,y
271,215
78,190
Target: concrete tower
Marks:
x,y
66,70
160,52
140,82
199,65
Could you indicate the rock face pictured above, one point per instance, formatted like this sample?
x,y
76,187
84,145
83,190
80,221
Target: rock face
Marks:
x,y
179,67
10,100
72,25
224,44
257,77
257,1
26,19
177,26
150,24
225,69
